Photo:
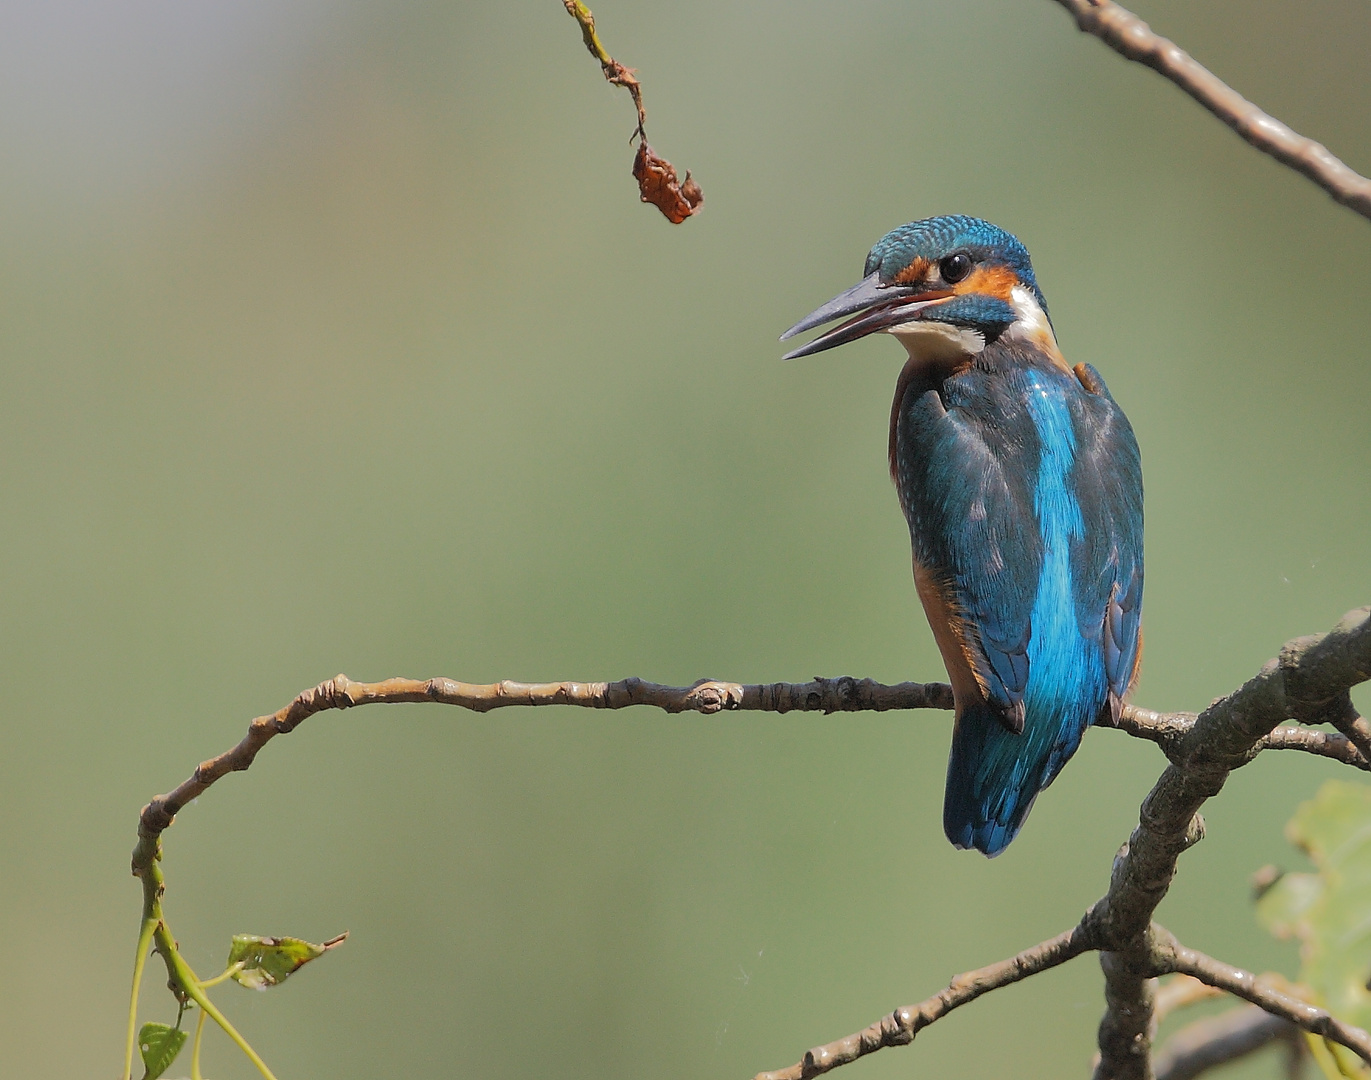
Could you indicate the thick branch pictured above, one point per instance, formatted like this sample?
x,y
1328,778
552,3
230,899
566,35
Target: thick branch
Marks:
x,y
1308,681
1128,35
900,1027
1125,1032
1218,1040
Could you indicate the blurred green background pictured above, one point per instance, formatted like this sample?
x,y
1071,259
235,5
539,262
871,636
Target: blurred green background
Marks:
x,y
334,338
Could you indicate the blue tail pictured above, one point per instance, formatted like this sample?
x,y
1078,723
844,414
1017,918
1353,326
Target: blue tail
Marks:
x,y
993,776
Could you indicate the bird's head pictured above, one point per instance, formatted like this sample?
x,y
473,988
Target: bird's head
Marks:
x,y
946,287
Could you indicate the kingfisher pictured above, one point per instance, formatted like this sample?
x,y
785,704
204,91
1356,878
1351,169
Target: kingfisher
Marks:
x,y
1021,482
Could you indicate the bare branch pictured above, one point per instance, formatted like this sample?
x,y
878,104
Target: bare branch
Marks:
x,y
1218,1040
1165,729
1323,743
900,1027
1311,675
1244,984
1129,36
1308,682
1343,716
822,695
1125,1032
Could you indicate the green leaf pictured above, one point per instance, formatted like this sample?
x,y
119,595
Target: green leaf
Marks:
x,y
159,1045
1329,911
266,961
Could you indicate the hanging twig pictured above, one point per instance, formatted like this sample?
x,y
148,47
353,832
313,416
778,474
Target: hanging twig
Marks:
x,y
657,180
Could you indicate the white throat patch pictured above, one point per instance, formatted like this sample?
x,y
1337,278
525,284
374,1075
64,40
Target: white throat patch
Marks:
x,y
942,344
937,343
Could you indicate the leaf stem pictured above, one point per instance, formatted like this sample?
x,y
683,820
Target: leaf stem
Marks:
x,y
227,973
195,1048
183,975
140,958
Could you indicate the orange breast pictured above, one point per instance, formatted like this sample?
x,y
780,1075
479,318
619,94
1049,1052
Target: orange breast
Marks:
x,y
950,632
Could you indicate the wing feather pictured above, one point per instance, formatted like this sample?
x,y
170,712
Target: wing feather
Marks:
x,y
1108,560
973,528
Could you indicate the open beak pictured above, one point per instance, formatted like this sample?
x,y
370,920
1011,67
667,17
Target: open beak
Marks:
x,y
872,307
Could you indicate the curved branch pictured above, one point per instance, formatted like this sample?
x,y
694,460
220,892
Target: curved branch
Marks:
x,y
1308,681
1129,36
822,695
844,694
900,1027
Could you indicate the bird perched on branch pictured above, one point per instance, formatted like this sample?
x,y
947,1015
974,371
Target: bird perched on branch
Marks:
x,y
1022,485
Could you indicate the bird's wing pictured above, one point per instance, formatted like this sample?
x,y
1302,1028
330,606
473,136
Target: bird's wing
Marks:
x,y
964,486
1107,562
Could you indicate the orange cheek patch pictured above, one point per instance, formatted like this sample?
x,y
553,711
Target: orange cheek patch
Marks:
x,y
994,281
915,273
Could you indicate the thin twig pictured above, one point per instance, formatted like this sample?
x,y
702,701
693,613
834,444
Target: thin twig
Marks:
x,y
1218,1040
1129,36
1168,730
615,72
900,1027
1343,716
1247,986
1323,743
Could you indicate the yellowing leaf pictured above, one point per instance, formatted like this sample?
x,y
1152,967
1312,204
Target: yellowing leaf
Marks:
x,y
1329,911
263,962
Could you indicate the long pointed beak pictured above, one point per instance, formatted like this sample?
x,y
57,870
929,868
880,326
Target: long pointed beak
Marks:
x,y
873,306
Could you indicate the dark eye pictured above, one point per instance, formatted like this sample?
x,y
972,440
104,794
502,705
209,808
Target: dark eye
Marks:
x,y
955,267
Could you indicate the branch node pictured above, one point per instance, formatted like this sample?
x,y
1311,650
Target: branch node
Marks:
x,y
1194,832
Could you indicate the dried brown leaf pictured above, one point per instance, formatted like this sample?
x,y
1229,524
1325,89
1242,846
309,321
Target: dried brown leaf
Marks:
x,y
658,185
